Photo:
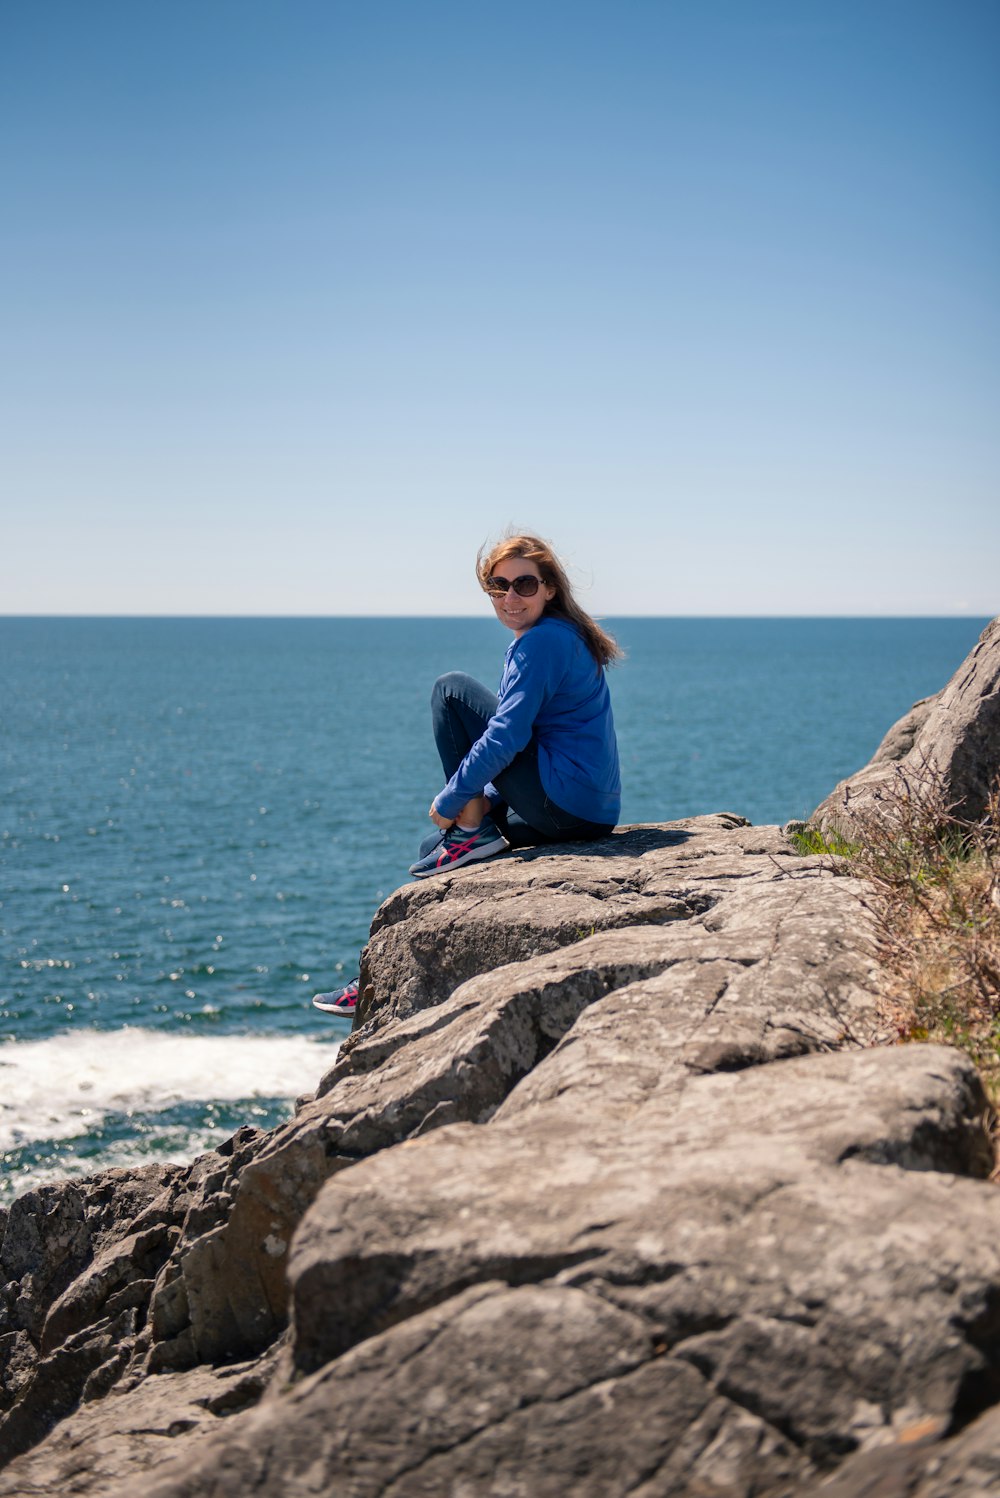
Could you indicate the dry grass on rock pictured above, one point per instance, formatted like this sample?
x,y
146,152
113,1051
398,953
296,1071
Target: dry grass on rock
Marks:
x,y
936,879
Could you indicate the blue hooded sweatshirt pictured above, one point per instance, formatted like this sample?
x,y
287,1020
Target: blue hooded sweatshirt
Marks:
x,y
553,688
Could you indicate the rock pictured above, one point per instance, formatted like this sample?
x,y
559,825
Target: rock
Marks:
x,y
429,937
608,1194
51,1234
903,735
58,1382
582,1401
714,1198
952,737
125,1435
967,1466
726,1288
79,1259
223,1293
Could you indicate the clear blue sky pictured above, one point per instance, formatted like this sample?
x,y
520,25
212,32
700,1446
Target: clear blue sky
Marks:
x,y
303,299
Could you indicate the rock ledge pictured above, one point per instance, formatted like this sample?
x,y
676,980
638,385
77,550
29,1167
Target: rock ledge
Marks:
x,y
608,1194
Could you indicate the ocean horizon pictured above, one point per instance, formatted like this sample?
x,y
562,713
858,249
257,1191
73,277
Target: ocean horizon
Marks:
x,y
445,618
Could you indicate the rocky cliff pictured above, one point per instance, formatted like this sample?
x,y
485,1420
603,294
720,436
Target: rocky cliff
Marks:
x,y
951,739
611,1192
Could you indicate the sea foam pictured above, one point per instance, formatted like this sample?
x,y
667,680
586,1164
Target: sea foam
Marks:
x,y
69,1084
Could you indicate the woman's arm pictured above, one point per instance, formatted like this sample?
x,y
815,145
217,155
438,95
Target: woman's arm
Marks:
x,y
534,670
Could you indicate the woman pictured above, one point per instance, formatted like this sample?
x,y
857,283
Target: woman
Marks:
x,y
537,763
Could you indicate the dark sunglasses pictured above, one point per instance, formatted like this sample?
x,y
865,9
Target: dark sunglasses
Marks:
x,y
524,587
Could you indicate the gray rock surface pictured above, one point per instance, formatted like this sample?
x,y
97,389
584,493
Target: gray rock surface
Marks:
x,y
122,1437
223,1292
967,1466
429,937
955,735
549,1310
608,1194
55,1240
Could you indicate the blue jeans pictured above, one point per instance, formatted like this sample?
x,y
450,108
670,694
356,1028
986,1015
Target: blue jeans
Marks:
x,y
461,707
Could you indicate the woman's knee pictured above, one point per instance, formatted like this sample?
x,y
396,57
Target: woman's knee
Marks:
x,y
451,684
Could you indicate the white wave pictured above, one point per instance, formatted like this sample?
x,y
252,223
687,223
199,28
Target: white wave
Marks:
x,y
66,1085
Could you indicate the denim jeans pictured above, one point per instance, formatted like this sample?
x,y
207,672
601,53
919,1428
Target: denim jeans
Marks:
x,y
461,707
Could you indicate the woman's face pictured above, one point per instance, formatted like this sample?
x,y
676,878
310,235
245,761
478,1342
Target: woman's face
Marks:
x,y
518,613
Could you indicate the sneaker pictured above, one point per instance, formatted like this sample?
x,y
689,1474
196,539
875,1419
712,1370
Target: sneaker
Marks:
x,y
432,840
458,847
341,1001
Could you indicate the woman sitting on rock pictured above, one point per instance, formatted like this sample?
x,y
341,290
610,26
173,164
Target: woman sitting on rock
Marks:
x,y
537,763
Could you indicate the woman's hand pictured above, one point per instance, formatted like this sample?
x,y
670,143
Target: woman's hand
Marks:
x,y
439,821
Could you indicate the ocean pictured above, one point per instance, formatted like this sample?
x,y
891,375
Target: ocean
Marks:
x,y
199,818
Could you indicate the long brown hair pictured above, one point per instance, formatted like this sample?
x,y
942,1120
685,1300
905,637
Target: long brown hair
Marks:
x,y
602,646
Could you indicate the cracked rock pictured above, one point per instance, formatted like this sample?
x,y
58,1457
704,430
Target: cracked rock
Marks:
x,y
954,734
609,1194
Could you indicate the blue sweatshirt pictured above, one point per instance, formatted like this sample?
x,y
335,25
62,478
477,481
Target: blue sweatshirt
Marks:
x,y
553,688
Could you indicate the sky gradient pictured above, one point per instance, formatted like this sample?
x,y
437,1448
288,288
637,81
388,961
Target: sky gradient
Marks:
x,y
305,299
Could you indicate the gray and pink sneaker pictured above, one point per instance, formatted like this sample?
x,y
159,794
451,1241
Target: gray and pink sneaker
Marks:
x,y
459,847
342,1001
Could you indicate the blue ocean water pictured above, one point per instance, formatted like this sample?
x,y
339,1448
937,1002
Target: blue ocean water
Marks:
x,y
200,816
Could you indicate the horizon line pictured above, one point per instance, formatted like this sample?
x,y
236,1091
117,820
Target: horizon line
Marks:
x,y
474,617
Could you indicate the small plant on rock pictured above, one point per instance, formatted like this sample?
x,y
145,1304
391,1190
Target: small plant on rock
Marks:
x,y
809,840
936,876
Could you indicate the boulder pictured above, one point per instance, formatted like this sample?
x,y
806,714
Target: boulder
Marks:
x,y
951,740
432,1053
726,1287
